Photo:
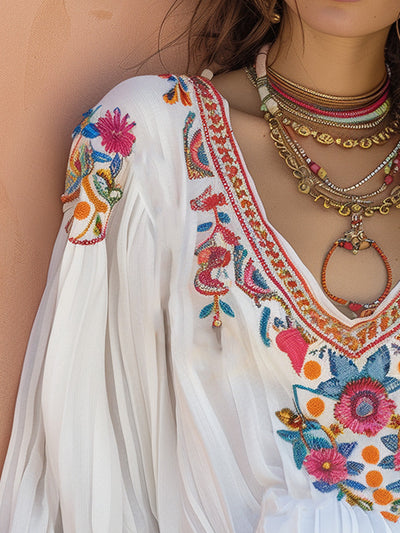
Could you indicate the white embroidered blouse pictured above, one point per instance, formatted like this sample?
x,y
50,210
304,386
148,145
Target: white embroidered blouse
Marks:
x,y
185,372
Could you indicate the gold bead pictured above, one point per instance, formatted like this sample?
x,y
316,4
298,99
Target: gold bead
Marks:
x,y
349,143
325,138
365,143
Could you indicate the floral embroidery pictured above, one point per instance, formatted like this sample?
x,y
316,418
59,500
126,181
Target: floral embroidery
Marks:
x,y
178,92
326,465
92,174
364,407
214,255
115,133
307,313
358,401
344,430
196,158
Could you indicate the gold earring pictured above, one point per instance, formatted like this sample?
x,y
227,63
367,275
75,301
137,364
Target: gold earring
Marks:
x,y
397,26
276,18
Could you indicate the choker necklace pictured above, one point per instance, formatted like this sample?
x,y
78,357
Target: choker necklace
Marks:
x,y
313,180
300,115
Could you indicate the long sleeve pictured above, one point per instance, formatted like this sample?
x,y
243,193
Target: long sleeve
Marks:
x,y
94,401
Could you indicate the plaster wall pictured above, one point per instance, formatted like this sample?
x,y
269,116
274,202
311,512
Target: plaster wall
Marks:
x,y
58,58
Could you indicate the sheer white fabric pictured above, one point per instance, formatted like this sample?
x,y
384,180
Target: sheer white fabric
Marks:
x,y
134,414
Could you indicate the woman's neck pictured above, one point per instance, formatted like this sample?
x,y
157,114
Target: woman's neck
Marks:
x,y
333,65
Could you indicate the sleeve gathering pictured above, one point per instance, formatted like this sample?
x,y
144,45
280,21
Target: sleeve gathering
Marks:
x,y
94,401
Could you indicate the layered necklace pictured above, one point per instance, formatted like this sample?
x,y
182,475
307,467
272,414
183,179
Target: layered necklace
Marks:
x,y
291,111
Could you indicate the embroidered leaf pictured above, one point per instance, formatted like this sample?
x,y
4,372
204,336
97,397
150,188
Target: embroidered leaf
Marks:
x,y
354,468
378,364
354,484
323,486
391,384
278,323
115,166
391,442
90,131
207,310
266,312
341,495
259,280
224,217
343,368
227,309
288,436
299,453
100,157
331,388
346,448
387,462
205,227
394,486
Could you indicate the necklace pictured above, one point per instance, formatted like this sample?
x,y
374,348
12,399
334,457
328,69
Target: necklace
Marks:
x,y
361,120
312,180
326,100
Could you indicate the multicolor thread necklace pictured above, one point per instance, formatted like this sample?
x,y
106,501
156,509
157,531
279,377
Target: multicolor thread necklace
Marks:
x,y
313,180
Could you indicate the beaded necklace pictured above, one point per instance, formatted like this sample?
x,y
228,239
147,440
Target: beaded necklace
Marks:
x,y
313,180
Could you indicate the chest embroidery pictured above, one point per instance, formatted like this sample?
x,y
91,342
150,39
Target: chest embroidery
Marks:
x,y
344,426
92,173
214,254
345,430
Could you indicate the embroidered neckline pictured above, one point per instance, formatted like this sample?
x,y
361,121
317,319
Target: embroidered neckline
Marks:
x,y
352,340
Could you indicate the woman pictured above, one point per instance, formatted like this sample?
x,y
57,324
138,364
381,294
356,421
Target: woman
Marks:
x,y
189,370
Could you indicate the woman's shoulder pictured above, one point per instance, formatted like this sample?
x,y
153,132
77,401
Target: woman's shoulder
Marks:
x,y
149,94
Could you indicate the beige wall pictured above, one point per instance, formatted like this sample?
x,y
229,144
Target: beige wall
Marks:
x,y
58,58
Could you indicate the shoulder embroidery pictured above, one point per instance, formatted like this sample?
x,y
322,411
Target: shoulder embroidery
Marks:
x,y
92,173
179,91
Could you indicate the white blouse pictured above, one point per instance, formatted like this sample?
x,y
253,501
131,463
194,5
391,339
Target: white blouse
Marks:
x,y
185,372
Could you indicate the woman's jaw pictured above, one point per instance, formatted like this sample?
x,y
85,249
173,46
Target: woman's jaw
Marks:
x,y
334,46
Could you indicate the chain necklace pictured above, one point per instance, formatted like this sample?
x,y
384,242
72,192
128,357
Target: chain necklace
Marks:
x,y
312,180
325,100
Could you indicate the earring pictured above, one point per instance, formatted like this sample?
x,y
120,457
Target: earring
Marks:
x,y
276,18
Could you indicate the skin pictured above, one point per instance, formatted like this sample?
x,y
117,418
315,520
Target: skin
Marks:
x,y
336,47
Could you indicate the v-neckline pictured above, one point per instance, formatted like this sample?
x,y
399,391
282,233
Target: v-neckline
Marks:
x,y
217,107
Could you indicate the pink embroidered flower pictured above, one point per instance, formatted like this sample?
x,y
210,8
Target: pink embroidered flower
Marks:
x,y
364,407
397,460
115,133
326,465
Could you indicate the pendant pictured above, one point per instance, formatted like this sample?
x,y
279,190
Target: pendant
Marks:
x,y
355,240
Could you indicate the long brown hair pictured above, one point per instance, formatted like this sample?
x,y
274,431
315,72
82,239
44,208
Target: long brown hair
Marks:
x,y
229,33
